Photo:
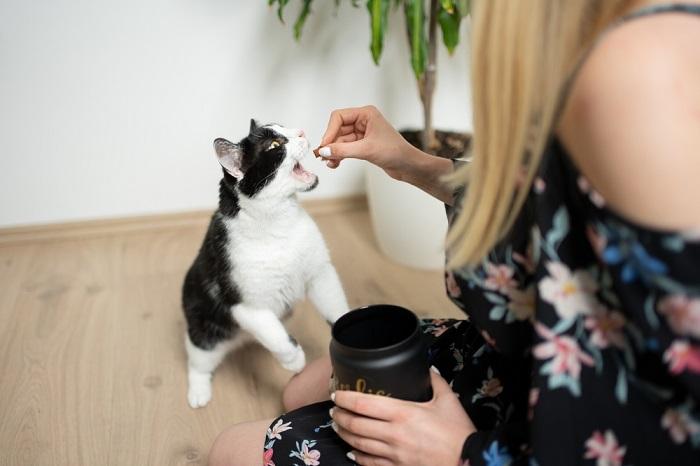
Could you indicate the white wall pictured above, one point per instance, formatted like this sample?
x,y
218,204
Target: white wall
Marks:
x,y
108,108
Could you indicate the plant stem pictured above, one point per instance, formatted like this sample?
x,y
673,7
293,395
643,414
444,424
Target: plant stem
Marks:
x,y
426,84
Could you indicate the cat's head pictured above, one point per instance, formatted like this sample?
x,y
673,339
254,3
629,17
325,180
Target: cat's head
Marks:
x,y
266,163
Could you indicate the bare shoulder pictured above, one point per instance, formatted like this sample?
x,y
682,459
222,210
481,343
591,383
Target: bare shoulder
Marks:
x,y
632,121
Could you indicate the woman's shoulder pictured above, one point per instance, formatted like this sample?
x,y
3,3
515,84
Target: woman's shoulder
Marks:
x,y
632,120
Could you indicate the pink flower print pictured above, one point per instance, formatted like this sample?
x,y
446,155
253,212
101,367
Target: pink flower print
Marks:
x,y
452,288
539,185
437,331
605,449
310,457
597,241
490,388
606,328
569,293
488,338
679,425
682,314
585,186
525,260
532,402
500,278
267,457
277,429
682,356
566,355
522,303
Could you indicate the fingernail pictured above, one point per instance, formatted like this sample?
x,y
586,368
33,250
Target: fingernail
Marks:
x,y
333,397
330,412
324,151
334,426
351,456
435,369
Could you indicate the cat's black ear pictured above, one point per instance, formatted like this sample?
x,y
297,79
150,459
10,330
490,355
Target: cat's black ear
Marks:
x,y
253,125
230,157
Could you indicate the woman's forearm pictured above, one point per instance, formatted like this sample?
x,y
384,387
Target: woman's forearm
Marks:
x,y
426,172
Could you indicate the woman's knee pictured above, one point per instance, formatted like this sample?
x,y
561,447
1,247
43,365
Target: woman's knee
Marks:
x,y
309,386
239,445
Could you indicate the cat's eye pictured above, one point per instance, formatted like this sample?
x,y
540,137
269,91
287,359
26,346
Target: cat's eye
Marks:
x,y
274,145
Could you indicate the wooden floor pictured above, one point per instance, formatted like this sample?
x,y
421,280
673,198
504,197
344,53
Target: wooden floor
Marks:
x,y
92,365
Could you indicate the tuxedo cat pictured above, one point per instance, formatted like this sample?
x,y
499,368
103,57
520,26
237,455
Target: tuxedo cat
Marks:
x,y
261,254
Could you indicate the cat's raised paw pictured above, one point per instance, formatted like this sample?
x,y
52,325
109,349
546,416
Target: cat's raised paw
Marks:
x,y
199,395
295,361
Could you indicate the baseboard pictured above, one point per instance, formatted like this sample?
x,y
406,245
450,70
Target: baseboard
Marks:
x,y
125,225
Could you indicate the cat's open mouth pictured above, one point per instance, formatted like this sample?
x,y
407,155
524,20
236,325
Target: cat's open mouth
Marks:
x,y
302,175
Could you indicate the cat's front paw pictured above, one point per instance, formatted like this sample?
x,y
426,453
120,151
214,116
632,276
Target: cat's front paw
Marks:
x,y
199,394
294,361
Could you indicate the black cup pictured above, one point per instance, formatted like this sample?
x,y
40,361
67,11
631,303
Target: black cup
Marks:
x,y
380,350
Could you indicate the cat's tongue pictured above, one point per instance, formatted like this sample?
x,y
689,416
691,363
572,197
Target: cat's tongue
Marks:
x,y
303,175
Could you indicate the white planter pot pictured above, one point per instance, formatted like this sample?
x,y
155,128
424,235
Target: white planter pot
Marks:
x,y
409,224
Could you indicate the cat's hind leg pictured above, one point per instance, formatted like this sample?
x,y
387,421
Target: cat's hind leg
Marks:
x,y
266,327
201,364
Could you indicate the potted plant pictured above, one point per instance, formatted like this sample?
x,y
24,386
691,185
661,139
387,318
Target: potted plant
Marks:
x,y
393,206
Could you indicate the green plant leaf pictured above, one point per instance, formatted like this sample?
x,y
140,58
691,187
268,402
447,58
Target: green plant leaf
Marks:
x,y
280,8
448,5
449,23
415,20
463,6
301,19
379,18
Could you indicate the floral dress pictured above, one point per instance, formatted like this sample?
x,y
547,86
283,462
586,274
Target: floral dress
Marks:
x,y
581,344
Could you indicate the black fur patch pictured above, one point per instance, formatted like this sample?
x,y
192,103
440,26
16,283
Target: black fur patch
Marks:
x,y
208,293
259,164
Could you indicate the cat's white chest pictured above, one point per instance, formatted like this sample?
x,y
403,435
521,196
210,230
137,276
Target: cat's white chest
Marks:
x,y
273,260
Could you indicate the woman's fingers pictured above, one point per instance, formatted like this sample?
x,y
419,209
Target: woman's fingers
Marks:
x,y
366,445
341,150
361,425
363,459
339,119
347,129
352,137
374,406
439,384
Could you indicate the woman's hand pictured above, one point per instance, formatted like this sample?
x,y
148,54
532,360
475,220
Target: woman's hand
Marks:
x,y
389,432
363,133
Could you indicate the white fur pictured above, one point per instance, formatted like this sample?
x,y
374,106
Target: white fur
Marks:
x,y
201,365
278,256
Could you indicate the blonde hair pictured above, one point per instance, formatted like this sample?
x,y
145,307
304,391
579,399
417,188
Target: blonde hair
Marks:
x,y
523,52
